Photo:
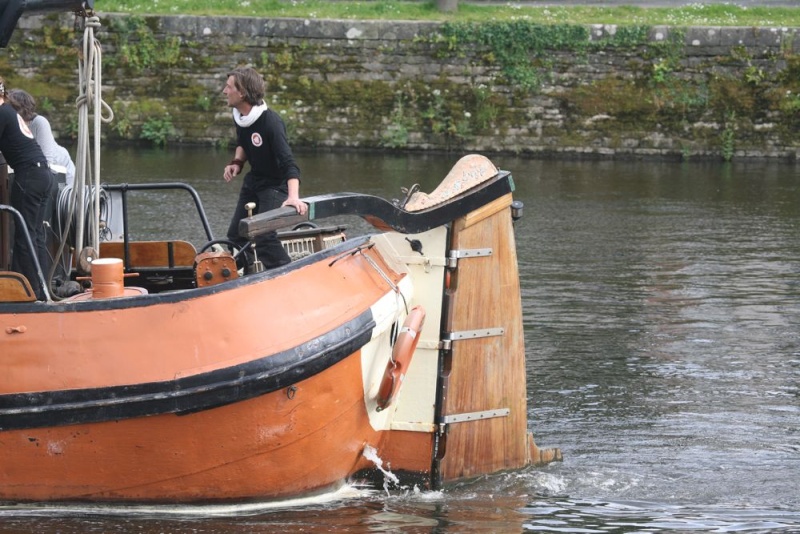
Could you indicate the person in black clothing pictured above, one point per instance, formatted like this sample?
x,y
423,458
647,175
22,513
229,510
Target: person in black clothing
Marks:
x,y
274,177
33,185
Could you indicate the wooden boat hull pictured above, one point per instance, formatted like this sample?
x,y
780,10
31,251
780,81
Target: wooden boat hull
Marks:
x,y
274,385
268,447
224,395
107,343
402,350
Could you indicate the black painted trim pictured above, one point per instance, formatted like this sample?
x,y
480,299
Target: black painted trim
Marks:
x,y
189,394
375,209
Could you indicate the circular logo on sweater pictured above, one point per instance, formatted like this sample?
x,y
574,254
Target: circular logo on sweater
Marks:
x,y
256,139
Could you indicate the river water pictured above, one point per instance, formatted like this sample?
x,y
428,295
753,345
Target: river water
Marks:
x,y
662,319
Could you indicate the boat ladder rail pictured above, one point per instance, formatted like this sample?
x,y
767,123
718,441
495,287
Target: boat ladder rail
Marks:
x,y
13,288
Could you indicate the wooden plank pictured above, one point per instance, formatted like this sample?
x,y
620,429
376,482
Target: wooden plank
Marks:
x,y
487,211
151,253
485,373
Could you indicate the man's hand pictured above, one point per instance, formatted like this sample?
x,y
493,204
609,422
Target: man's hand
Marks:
x,y
231,171
296,203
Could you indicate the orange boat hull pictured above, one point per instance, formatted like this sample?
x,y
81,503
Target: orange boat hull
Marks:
x,y
268,447
148,410
395,351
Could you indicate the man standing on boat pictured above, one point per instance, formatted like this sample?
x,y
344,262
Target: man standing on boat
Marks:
x,y
274,177
33,185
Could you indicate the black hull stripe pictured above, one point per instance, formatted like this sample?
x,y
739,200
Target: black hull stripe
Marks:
x,y
189,394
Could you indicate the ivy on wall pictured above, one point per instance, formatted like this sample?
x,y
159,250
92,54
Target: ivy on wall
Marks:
x,y
656,91
522,49
564,85
138,48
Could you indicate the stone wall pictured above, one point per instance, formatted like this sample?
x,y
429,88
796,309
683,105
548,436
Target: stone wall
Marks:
x,y
603,91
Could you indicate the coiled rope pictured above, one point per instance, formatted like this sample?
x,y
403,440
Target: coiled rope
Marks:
x,y
66,214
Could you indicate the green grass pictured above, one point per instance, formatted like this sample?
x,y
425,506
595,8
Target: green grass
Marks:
x,y
696,14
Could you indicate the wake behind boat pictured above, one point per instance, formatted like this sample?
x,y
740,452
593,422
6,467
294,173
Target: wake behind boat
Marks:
x,y
178,376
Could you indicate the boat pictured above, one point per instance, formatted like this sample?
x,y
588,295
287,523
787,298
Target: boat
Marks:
x,y
178,376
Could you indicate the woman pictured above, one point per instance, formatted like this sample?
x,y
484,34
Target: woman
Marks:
x,y
56,154
30,192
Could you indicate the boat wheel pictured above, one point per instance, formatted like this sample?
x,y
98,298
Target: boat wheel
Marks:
x,y
304,225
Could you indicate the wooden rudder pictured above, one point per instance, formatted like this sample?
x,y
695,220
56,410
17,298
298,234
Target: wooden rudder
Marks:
x,y
484,405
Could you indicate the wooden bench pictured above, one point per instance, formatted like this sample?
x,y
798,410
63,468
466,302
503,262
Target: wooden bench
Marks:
x,y
14,287
168,254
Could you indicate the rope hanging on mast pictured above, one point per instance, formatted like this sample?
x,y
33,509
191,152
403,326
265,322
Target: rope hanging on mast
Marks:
x,y
87,164
84,197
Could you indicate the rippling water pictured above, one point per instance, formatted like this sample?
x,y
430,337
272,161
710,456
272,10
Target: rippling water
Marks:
x,y
662,323
663,344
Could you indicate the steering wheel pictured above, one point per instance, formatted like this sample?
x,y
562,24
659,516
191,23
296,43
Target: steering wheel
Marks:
x,y
236,250
303,225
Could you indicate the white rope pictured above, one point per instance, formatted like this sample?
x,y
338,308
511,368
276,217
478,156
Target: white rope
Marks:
x,y
87,164
89,209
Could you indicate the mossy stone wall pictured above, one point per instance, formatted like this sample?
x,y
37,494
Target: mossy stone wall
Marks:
x,y
511,87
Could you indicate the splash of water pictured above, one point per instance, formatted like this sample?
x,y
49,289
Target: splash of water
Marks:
x,y
8,511
371,454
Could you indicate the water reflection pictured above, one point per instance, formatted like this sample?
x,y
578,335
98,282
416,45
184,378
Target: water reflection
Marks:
x,y
662,326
